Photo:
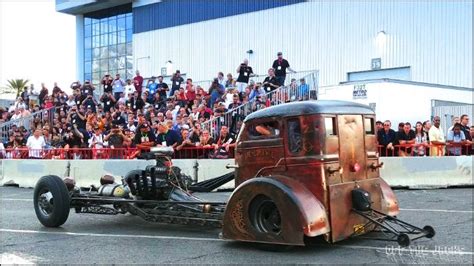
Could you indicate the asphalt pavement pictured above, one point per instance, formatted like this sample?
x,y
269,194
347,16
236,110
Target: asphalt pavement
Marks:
x,y
89,238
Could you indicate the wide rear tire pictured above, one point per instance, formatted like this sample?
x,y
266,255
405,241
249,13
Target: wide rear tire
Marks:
x,y
51,201
265,218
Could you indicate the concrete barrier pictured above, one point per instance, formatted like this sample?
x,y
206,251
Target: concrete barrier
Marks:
x,y
26,173
412,172
428,172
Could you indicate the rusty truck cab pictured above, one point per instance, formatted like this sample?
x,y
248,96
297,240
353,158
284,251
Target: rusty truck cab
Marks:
x,y
304,159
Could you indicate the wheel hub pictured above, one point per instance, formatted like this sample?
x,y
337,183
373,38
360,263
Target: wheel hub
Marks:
x,y
45,203
268,217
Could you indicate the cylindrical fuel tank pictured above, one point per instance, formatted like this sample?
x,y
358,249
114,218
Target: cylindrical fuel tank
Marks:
x,y
114,190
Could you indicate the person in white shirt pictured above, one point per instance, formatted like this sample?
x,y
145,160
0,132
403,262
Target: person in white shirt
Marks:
x,y
2,151
129,88
17,115
97,143
71,101
20,103
436,135
35,145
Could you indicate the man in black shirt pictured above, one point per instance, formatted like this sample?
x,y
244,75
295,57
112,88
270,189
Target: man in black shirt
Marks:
x,y
280,65
109,101
387,138
406,137
271,82
245,72
77,117
144,136
176,82
162,88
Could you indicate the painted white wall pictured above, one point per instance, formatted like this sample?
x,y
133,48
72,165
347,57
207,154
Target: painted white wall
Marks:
x,y
433,37
398,102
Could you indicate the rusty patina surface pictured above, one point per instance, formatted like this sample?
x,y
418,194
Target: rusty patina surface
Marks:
x,y
321,151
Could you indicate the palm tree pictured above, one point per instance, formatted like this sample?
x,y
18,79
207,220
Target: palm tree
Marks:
x,y
15,85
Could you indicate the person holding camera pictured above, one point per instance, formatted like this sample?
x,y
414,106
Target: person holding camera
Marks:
x,y
257,90
245,72
108,101
89,103
107,83
87,88
115,140
271,82
76,117
118,86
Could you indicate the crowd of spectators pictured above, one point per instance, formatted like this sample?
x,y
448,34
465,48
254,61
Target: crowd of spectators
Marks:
x,y
133,114
426,138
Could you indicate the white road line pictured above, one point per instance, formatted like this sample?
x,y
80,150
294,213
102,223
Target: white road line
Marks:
x,y
434,210
384,249
12,259
110,235
9,199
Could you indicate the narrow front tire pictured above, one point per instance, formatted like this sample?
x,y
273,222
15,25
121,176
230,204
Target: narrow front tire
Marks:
x,y
51,201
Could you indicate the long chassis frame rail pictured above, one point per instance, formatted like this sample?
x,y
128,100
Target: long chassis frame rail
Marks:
x,y
173,212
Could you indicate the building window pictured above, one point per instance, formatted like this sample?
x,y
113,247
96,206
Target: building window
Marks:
x,y
108,47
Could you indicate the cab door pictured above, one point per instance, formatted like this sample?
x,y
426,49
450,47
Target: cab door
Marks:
x,y
352,153
259,154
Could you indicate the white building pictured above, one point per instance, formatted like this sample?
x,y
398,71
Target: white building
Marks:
x,y
425,45
423,41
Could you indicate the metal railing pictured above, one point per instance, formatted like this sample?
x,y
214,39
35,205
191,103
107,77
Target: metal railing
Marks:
x,y
298,91
44,115
425,149
105,153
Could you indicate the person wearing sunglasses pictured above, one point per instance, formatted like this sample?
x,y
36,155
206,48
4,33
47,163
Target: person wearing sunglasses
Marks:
x,y
387,138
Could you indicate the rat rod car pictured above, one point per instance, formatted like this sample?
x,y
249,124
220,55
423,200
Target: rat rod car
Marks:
x,y
302,170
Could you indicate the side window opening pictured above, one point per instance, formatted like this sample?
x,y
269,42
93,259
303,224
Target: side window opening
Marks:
x,y
295,141
264,130
330,125
369,126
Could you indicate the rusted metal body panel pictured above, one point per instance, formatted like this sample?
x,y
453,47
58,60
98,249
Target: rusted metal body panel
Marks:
x,y
344,222
320,152
301,213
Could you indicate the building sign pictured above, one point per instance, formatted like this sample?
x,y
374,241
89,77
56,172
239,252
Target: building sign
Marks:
x,y
164,71
376,63
359,92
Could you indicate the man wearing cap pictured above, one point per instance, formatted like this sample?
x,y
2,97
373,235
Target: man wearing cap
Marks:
x,y
280,65
144,137
245,72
